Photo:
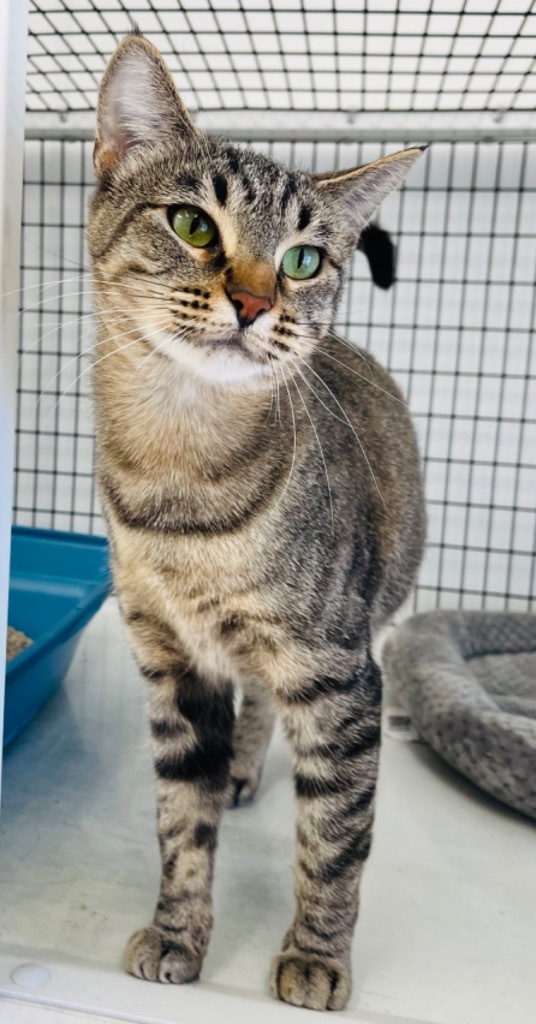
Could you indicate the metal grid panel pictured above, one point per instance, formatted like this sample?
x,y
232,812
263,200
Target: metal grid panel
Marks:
x,y
455,331
54,482
343,55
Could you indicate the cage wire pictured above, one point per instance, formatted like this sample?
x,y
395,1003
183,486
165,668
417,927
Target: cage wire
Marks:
x,y
456,329
346,55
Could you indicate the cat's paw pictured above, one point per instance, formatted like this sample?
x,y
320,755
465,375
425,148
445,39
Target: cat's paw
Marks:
x,y
310,981
242,788
151,955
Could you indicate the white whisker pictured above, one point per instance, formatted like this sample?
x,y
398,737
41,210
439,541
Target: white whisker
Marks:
x,y
306,407
92,365
158,288
117,311
294,449
361,376
353,348
176,336
278,402
272,396
61,295
90,348
352,428
318,397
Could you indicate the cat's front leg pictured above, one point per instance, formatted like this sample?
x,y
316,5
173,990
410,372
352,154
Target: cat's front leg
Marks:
x,y
334,728
191,726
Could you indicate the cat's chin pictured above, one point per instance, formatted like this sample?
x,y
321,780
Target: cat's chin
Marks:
x,y
216,361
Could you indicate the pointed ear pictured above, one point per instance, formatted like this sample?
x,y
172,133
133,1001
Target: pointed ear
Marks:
x,y
362,190
138,105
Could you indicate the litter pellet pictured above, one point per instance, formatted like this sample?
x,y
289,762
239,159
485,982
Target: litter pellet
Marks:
x,y
16,642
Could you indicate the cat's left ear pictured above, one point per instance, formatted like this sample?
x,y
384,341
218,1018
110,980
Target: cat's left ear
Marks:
x,y
138,105
362,190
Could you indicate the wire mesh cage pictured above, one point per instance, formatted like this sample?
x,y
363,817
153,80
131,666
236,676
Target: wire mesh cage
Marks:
x,y
337,83
340,55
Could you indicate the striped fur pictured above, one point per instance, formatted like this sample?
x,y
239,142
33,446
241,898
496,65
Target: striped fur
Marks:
x,y
262,490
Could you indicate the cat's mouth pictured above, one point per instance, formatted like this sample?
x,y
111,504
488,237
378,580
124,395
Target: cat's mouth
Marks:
x,y
224,355
233,342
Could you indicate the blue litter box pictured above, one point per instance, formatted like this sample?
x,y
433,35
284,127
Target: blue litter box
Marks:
x,y
58,581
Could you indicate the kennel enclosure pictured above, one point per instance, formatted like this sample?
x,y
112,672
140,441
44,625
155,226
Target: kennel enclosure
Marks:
x,y
319,84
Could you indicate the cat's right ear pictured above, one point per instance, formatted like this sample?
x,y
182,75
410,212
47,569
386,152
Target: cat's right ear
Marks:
x,y
138,105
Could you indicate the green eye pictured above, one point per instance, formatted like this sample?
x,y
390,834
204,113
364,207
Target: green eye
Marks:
x,y
302,261
193,226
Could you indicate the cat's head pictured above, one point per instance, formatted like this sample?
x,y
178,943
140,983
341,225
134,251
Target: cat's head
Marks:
x,y
225,261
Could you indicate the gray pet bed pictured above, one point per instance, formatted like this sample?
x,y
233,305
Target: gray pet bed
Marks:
x,y
468,682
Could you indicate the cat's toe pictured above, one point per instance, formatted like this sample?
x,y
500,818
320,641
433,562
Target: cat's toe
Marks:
x,y
309,981
154,957
241,789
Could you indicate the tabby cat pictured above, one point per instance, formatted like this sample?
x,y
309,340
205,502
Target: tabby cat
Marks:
x,y
262,491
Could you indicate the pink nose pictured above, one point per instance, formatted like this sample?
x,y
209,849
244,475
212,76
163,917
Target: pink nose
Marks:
x,y
249,306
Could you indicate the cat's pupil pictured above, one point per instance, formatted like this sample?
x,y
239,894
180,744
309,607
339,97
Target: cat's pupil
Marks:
x,y
195,224
301,258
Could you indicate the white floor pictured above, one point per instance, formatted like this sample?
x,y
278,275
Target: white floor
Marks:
x,y
447,932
